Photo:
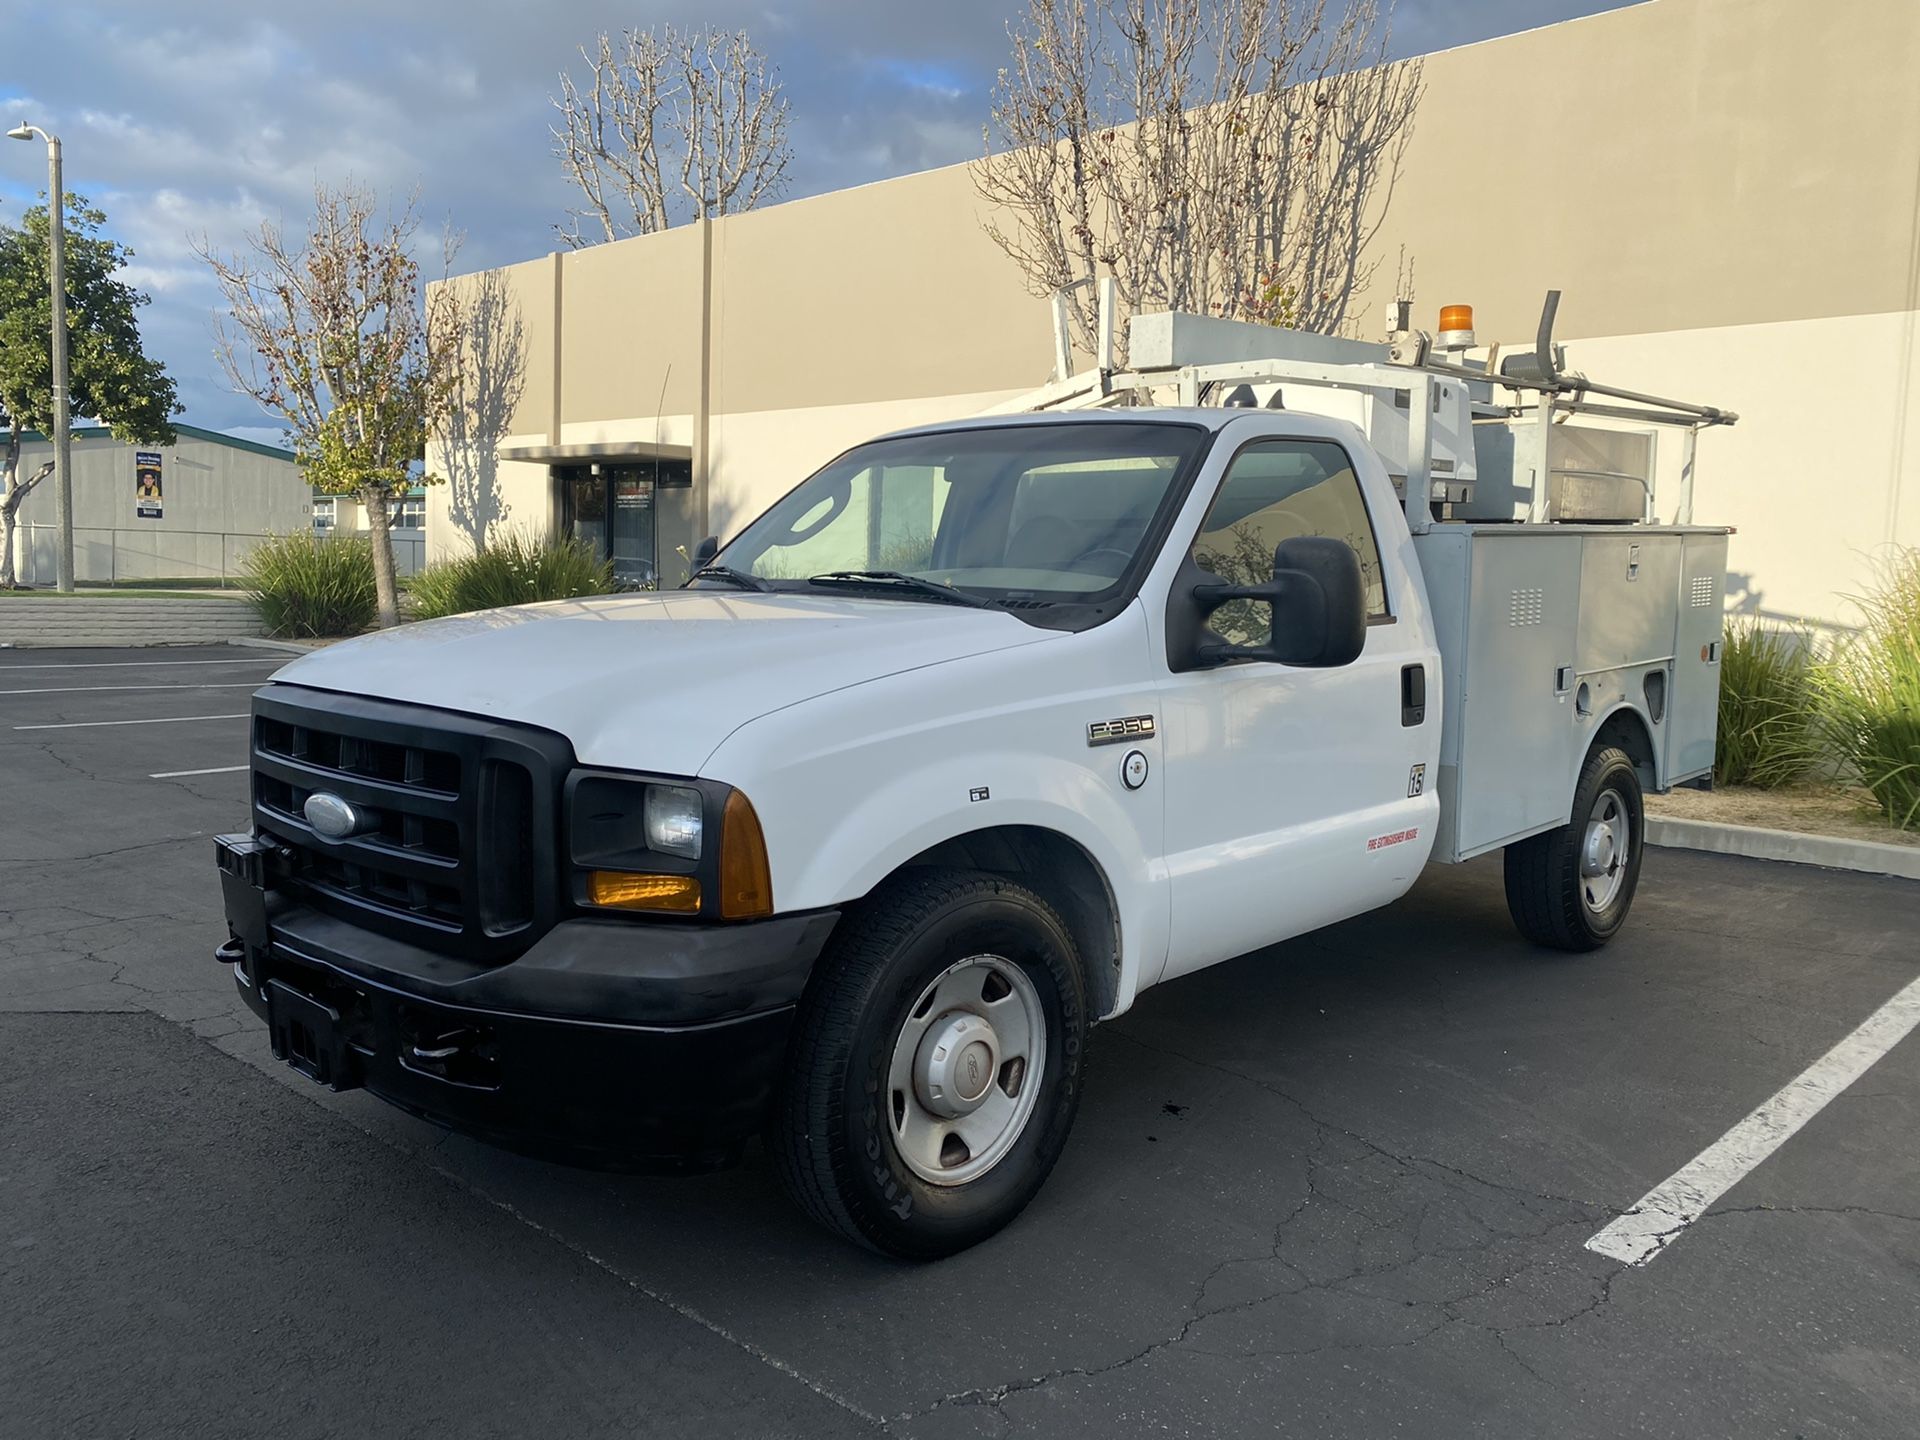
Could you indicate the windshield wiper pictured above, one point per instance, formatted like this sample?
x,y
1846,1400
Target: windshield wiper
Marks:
x,y
727,572
896,579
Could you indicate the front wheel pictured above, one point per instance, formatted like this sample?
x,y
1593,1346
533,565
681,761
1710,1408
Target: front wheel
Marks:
x,y
1571,888
936,1065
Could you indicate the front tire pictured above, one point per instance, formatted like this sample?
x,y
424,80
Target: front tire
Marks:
x,y
1571,888
936,1065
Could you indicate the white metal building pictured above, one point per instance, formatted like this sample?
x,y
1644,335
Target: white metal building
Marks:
x,y
185,511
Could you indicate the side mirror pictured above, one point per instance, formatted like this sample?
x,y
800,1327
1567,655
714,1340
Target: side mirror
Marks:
x,y
705,551
1319,601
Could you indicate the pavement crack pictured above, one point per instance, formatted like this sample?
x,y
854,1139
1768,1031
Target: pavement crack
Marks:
x,y
1367,1238
1374,1146
37,861
1719,1211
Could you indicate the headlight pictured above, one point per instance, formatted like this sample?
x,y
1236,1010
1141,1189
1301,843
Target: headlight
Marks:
x,y
625,823
642,844
673,820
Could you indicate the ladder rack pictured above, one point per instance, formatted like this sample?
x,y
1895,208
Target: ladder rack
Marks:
x,y
1406,366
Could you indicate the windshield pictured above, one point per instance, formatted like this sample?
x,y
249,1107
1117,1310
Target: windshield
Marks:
x,y
1043,512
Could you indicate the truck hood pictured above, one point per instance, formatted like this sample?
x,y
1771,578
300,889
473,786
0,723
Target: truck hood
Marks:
x,y
655,681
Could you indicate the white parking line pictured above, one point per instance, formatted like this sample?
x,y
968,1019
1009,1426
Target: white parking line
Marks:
x,y
157,720
1663,1212
151,664
176,774
89,689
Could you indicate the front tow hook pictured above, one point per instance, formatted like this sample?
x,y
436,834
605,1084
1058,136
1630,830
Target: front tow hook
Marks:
x,y
232,952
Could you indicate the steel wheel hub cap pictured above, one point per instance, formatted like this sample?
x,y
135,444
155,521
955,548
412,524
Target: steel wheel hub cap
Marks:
x,y
965,1071
1604,851
956,1065
1600,849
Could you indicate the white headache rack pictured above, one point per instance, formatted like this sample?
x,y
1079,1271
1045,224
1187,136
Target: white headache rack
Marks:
x,y
1484,440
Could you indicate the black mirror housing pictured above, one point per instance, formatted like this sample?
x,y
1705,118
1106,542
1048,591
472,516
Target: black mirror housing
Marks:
x,y
1328,568
1319,602
706,550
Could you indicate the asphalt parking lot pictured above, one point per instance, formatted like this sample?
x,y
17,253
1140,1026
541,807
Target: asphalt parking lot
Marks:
x,y
1342,1187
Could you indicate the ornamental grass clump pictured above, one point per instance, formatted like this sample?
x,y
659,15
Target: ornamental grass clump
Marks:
x,y
1870,690
1769,735
514,570
305,587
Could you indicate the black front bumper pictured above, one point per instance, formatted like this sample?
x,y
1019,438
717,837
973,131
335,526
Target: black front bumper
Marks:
x,y
609,1042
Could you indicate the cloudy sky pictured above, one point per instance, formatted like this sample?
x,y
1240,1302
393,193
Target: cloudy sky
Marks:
x,y
184,118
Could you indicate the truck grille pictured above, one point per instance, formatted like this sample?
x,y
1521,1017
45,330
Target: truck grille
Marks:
x,y
462,856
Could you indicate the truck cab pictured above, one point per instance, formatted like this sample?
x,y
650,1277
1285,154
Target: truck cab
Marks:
x,y
977,734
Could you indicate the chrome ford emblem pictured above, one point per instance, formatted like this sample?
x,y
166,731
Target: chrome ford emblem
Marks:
x,y
333,817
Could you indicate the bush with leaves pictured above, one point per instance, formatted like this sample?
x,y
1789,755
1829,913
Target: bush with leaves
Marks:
x,y
515,570
306,587
1768,733
1870,690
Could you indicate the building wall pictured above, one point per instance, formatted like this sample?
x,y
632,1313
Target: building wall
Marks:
x,y
1823,468
884,292
1674,165
1726,191
217,499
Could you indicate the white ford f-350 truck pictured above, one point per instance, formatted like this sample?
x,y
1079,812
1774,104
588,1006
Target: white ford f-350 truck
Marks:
x,y
973,737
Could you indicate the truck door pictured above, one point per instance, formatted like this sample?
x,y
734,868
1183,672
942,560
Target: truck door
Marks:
x,y
1292,795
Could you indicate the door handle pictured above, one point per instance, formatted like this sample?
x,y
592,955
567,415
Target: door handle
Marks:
x,y
1413,695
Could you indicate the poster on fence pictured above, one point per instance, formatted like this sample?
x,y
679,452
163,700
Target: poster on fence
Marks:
x,y
146,484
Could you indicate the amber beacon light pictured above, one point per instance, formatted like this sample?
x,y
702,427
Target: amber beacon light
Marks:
x,y
1456,327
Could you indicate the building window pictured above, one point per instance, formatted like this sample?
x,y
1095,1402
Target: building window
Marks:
x,y
412,514
323,513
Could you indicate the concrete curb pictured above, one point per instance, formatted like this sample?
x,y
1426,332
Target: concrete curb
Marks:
x,y
1869,857
291,647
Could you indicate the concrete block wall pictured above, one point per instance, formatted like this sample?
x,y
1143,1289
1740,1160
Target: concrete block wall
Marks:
x,y
82,620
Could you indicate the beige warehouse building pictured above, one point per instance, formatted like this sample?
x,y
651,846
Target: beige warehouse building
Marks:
x,y
1727,191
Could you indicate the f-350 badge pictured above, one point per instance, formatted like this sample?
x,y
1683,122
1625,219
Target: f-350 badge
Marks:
x,y
1127,727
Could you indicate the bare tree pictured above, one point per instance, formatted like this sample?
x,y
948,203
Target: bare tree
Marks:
x,y
1228,157
328,330
669,126
487,375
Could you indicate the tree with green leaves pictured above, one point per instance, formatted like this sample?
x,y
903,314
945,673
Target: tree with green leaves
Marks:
x,y
330,331
110,378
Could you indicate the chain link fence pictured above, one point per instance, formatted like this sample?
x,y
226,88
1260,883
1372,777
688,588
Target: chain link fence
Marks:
x,y
159,558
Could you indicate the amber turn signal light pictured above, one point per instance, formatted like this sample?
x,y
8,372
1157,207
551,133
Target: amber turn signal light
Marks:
x,y
746,883
678,894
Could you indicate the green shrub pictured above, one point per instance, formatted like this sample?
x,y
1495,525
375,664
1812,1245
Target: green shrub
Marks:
x,y
1769,735
515,570
1870,691
306,587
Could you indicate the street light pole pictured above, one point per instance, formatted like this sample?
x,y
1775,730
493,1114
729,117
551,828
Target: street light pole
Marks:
x,y
62,428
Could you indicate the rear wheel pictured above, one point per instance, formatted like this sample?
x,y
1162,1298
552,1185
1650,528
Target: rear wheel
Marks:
x,y
1571,888
936,1065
